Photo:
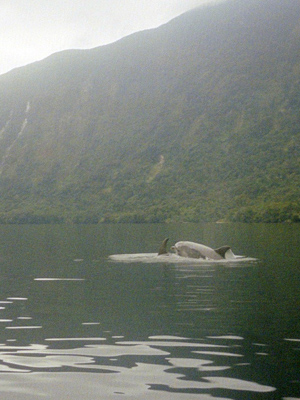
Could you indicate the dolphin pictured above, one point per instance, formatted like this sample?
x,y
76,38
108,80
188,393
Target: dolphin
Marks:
x,y
163,248
197,250
183,250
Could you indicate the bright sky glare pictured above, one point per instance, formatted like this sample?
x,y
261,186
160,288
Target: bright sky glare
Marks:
x,y
31,30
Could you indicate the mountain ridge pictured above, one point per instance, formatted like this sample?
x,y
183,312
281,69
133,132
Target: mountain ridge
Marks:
x,y
193,121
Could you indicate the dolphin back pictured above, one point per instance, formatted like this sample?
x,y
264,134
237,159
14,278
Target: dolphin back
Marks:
x,y
196,250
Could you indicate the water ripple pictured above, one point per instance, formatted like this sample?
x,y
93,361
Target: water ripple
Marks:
x,y
139,369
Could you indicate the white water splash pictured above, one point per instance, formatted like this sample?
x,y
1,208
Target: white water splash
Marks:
x,y
172,259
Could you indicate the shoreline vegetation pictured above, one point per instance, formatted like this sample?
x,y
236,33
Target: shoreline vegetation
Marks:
x,y
275,214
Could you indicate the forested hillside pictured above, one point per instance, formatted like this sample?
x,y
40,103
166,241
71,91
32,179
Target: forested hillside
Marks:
x,y
197,120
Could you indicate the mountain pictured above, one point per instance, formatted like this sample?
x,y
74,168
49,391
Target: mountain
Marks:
x,y
197,120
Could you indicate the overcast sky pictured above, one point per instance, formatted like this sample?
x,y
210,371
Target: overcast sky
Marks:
x,y
31,30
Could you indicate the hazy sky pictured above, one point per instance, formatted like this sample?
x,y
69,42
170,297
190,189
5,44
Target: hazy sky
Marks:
x,y
33,29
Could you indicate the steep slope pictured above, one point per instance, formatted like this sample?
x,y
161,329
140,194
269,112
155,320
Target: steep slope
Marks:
x,y
195,120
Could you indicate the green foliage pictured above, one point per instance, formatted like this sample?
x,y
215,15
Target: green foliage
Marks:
x,y
195,121
274,212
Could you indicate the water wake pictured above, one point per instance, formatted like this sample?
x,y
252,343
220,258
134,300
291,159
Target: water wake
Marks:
x,y
173,259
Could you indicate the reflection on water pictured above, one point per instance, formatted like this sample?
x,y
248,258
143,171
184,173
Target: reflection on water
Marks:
x,y
166,365
75,325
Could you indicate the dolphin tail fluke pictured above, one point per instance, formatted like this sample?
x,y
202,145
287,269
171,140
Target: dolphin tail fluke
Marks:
x,y
163,248
222,250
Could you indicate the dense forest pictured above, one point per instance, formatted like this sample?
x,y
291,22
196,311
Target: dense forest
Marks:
x,y
197,120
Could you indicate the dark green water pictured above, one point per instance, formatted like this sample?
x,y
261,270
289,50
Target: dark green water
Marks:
x,y
74,325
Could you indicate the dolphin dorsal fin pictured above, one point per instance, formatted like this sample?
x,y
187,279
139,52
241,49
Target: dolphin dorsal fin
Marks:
x,y
222,250
163,247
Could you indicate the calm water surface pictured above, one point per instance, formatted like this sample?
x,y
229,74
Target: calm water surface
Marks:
x,y
74,325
